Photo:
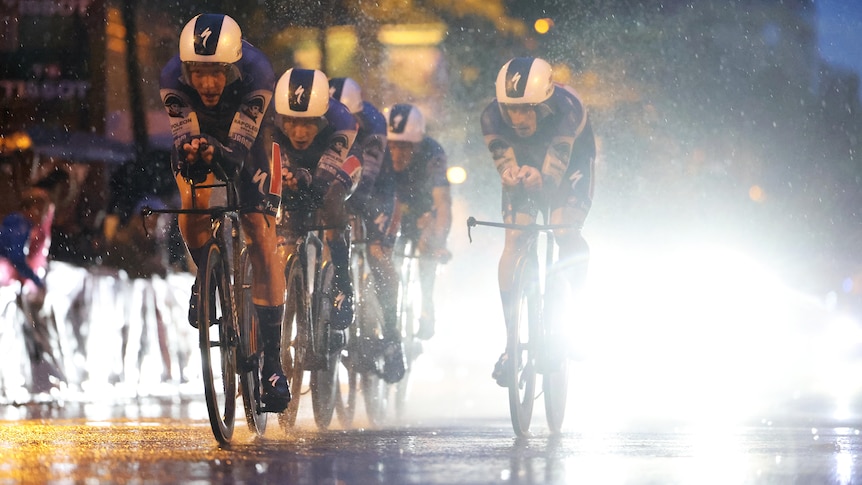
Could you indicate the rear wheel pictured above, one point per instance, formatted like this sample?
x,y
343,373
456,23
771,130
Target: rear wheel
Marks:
x,y
346,393
217,340
324,377
294,337
555,388
250,350
375,392
368,357
523,321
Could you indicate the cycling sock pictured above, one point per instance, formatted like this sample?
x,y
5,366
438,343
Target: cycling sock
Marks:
x,y
270,328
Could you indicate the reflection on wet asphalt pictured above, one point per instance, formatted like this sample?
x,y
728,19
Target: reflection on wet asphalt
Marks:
x,y
159,442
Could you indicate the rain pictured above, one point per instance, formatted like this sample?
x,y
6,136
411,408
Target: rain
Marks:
x,y
725,275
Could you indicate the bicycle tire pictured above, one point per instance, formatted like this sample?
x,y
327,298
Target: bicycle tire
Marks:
x,y
324,377
409,292
345,402
555,389
521,341
294,337
345,405
214,304
250,348
375,390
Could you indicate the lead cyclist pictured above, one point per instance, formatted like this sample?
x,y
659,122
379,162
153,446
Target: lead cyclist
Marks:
x,y
542,144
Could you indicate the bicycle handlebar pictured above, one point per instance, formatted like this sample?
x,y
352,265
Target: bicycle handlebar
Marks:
x,y
533,227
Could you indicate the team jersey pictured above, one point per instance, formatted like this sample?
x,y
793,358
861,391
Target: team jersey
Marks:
x,y
415,184
234,123
562,148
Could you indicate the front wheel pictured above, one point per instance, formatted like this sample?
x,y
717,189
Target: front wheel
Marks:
x,y
522,339
294,337
324,377
250,349
217,339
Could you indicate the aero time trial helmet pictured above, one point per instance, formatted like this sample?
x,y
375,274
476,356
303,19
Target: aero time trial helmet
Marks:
x,y
348,92
302,93
214,39
524,80
404,122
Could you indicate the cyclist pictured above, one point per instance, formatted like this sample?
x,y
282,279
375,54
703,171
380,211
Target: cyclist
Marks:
x,y
542,145
209,90
314,140
423,198
374,201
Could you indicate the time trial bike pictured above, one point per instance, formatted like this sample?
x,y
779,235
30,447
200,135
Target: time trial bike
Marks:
x,y
363,357
529,316
228,336
308,341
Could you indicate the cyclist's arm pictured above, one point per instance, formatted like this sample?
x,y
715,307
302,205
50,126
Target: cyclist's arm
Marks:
x,y
442,198
502,153
568,128
333,161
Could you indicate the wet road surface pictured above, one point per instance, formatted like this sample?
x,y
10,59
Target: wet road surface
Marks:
x,y
168,441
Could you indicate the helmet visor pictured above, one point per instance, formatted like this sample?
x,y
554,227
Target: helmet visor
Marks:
x,y
230,71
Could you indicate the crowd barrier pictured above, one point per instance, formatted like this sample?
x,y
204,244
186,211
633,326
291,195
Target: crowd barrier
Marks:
x,y
98,335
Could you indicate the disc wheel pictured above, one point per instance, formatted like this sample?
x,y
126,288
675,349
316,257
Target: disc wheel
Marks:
x,y
217,341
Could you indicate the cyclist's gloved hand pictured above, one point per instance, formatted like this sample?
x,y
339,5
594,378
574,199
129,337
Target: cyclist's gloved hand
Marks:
x,y
192,167
296,178
225,160
531,178
511,176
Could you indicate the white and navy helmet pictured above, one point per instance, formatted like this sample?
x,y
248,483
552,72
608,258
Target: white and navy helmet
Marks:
x,y
211,38
302,93
404,122
524,81
348,92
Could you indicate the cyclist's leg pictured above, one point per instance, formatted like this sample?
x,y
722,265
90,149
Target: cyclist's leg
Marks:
x,y
338,241
380,231
516,210
567,279
268,297
386,282
427,277
195,228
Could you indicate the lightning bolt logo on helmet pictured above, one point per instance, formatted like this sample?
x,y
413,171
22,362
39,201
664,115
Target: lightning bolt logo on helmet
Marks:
x,y
515,80
397,122
205,36
298,94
